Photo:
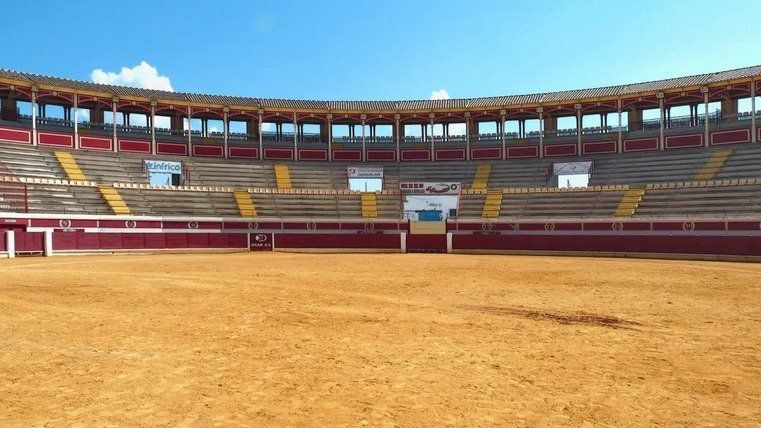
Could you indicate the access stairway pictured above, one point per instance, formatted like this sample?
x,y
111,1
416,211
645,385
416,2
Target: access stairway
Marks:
x,y
282,176
629,203
492,204
245,204
114,199
481,179
369,205
713,165
70,166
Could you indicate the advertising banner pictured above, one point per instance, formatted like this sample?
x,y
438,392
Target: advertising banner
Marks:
x,y
430,188
260,241
163,167
365,171
570,168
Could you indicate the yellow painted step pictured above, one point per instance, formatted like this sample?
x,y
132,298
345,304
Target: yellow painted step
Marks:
x,y
114,199
70,166
282,176
713,165
481,179
369,205
492,204
629,203
245,204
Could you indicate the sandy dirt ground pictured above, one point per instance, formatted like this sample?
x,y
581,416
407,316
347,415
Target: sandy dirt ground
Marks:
x,y
378,340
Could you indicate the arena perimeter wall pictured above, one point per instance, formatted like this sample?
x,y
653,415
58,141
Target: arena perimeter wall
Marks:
x,y
65,234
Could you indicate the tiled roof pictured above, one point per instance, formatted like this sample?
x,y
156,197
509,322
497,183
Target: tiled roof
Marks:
x,y
458,103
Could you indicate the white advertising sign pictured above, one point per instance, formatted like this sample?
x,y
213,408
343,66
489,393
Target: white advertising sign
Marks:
x,y
165,167
430,188
570,168
365,171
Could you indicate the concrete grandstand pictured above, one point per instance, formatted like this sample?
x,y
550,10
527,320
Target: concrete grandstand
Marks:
x,y
674,185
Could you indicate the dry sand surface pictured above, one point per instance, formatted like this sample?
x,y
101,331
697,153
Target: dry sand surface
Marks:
x,y
419,339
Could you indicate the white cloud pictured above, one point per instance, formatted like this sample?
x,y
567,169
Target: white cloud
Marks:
x,y
441,94
454,128
142,75
268,127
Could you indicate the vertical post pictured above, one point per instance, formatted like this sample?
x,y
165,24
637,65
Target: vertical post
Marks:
x,y
706,133
48,243
753,131
403,242
662,128
190,132
225,127
398,138
295,138
113,117
578,129
363,117
76,117
620,134
10,243
502,115
449,242
467,135
153,127
329,133
34,115
433,147
541,131
261,144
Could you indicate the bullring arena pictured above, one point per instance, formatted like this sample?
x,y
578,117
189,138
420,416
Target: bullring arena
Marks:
x,y
580,257
418,339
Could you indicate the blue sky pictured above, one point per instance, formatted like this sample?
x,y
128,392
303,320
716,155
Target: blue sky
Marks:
x,y
382,49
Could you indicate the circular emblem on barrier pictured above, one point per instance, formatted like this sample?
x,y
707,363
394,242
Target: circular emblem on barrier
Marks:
x,y
369,226
617,226
192,225
253,225
260,237
688,225
311,225
64,223
549,226
487,226
130,224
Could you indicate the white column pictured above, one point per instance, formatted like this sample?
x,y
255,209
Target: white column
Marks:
x,y
190,132
48,248
403,242
10,243
261,144
662,138
363,138
502,133
329,133
620,135
113,114
541,131
153,128
753,130
34,117
467,135
578,130
706,133
398,138
295,138
449,242
225,126
433,146
76,119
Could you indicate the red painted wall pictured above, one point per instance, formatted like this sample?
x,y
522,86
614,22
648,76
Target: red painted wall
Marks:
x,y
328,240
